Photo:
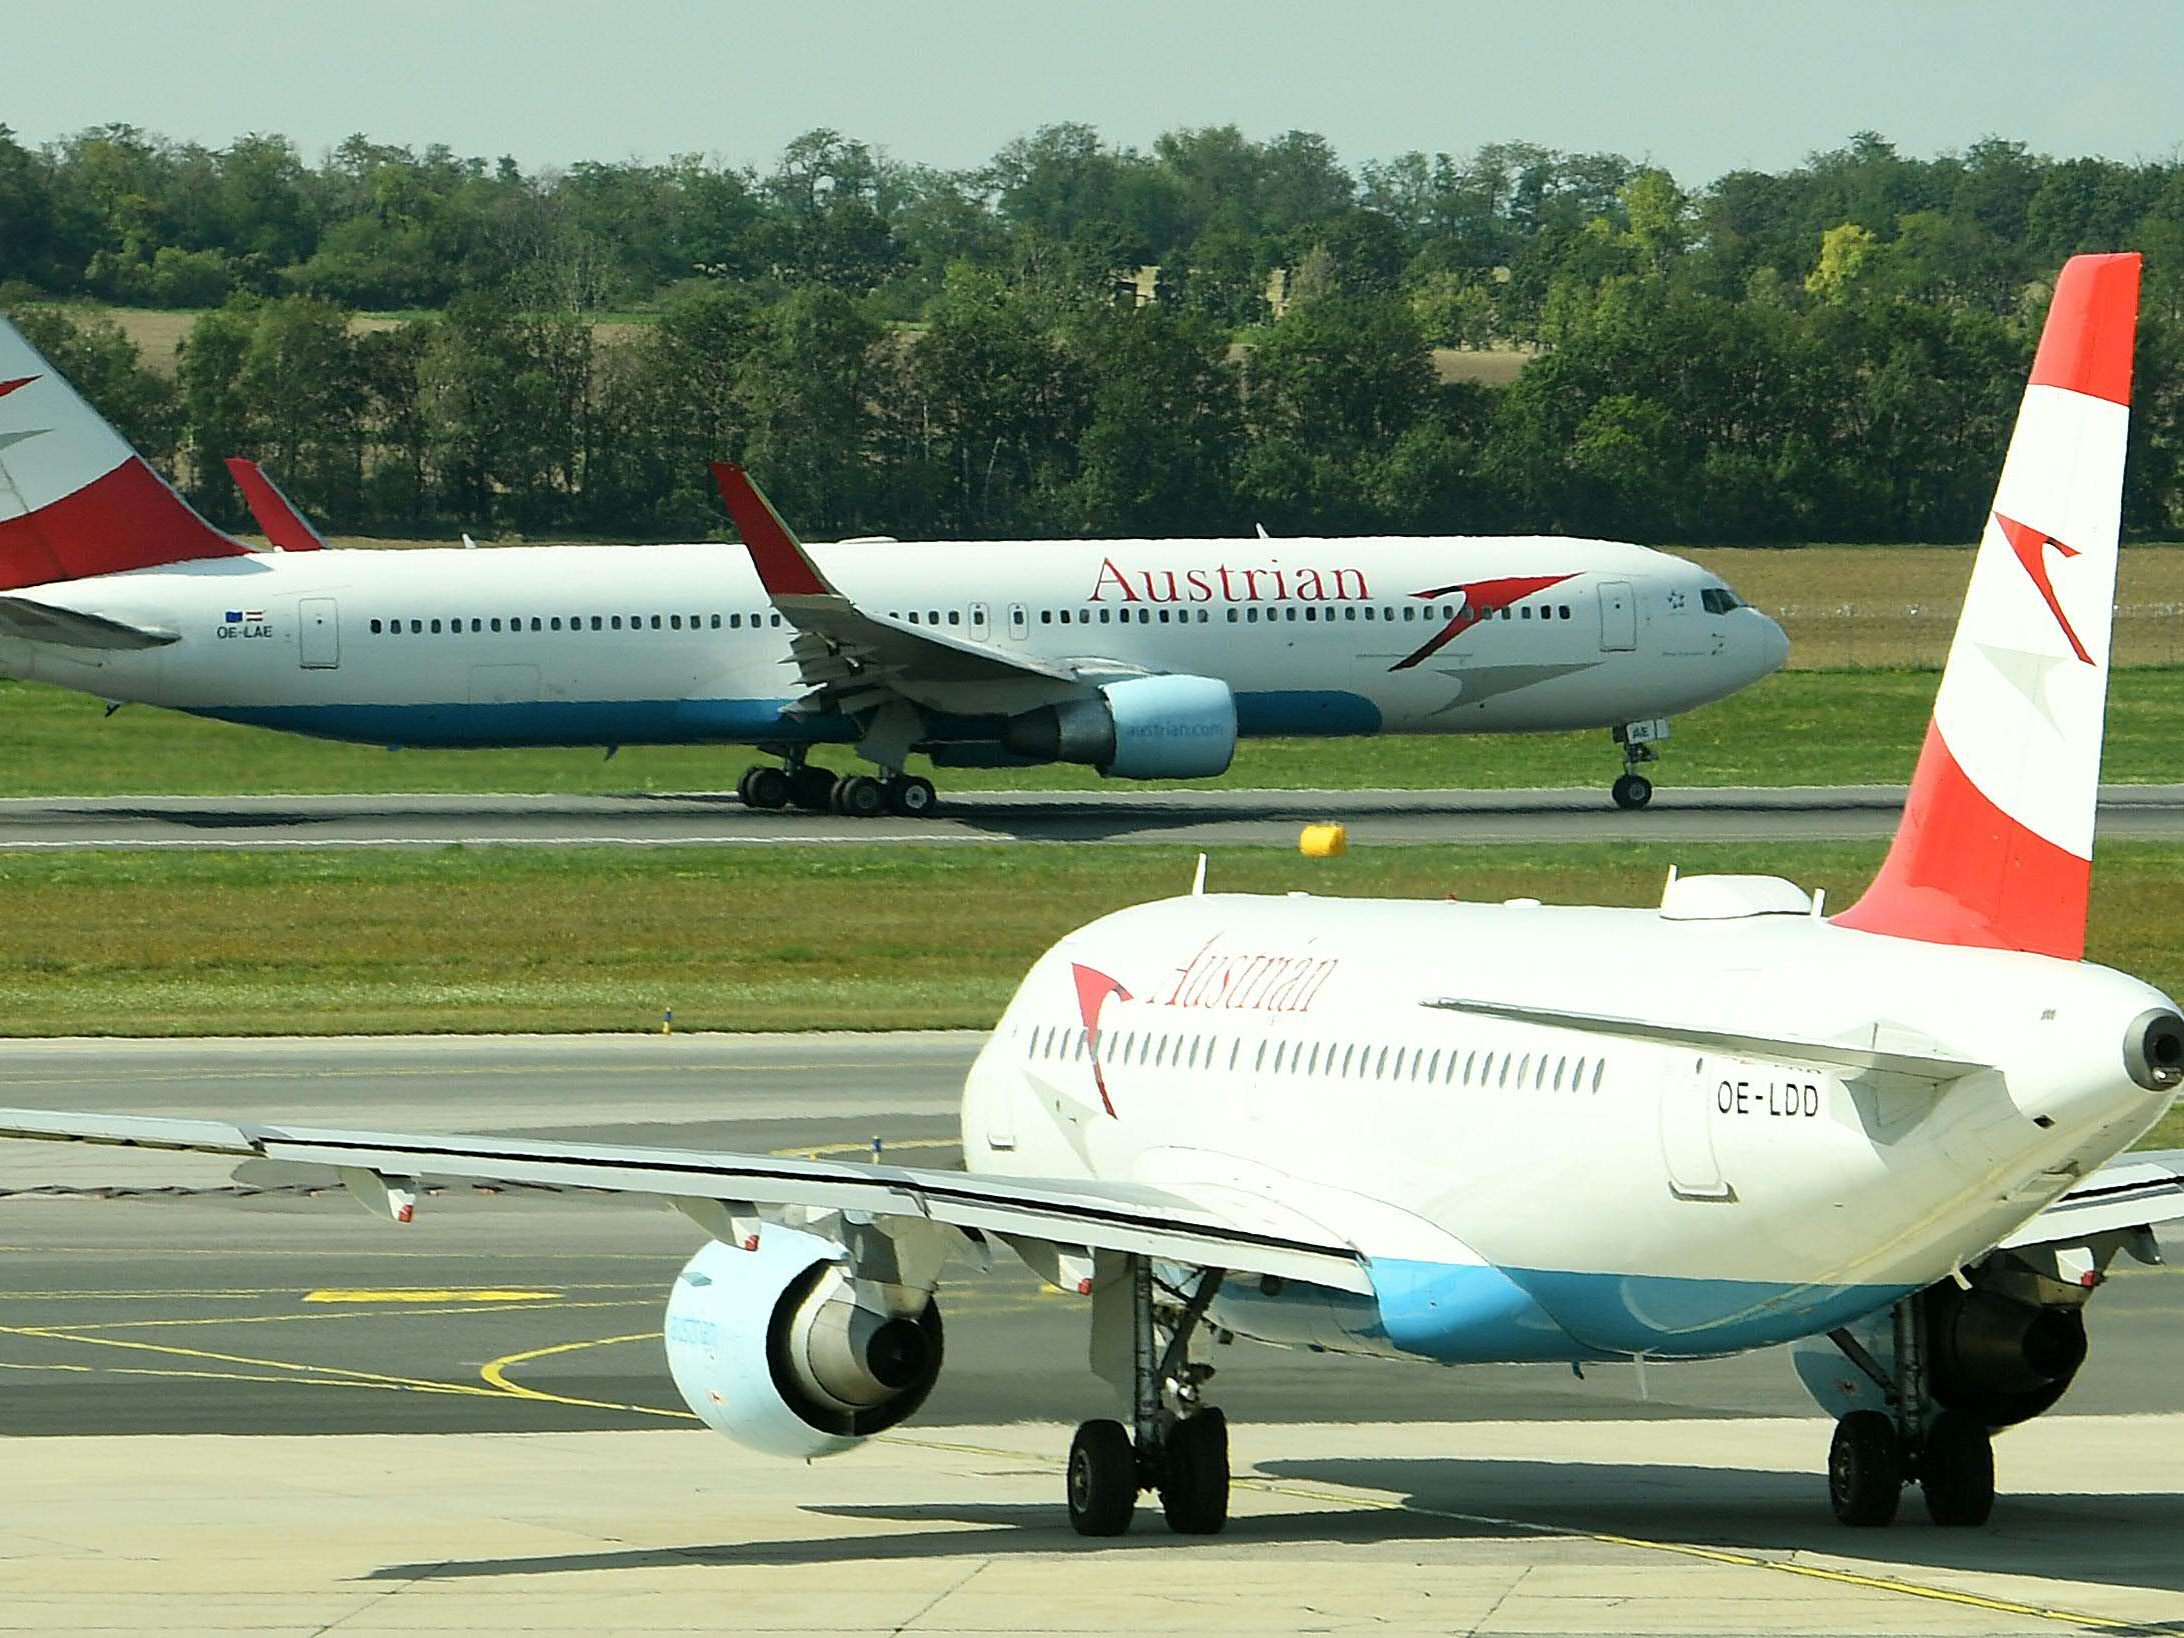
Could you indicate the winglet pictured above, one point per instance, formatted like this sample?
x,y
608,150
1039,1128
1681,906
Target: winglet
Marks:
x,y
785,569
285,526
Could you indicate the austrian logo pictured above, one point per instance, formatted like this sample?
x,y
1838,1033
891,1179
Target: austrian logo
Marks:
x,y
1482,600
2030,547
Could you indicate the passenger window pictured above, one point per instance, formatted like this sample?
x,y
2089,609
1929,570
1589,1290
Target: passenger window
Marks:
x,y
537,624
1349,1057
1368,611
1046,617
554,624
1258,1059
674,622
954,618
617,622
1433,1068
1292,612
1281,1051
416,626
1350,613
1251,616
1235,1051
435,628
1232,614
655,622
375,626
1599,1068
777,619
1380,1066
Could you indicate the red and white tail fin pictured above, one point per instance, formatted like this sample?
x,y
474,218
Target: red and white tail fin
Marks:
x,y
1996,843
278,517
74,499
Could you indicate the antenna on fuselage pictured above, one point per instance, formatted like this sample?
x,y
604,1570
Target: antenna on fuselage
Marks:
x,y
1198,879
1263,535
469,545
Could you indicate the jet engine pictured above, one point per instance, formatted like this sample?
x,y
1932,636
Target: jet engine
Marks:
x,y
1999,1359
1143,728
785,1349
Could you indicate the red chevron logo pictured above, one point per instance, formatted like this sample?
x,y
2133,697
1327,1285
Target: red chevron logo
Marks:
x,y
7,387
2031,546
1093,989
1483,599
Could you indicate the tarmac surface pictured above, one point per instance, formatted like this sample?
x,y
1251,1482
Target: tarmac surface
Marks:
x,y
1186,817
235,1400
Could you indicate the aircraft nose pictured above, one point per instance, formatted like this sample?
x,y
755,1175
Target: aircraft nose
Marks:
x,y
1770,646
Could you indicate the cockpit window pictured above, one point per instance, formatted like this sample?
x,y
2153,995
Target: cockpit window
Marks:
x,y
1719,600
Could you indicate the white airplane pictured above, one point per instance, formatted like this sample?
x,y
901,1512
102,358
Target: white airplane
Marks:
x,y
1478,1133
1146,659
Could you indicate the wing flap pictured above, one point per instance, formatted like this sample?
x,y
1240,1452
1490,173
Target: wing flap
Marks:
x,y
1867,1055
1070,1212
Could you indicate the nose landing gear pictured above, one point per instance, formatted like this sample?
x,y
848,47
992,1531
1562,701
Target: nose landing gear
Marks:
x,y
1179,1446
1641,745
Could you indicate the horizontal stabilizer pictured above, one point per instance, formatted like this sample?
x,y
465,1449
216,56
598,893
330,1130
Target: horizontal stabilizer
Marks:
x,y
41,623
1837,1054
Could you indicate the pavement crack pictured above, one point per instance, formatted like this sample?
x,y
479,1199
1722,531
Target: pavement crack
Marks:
x,y
942,1597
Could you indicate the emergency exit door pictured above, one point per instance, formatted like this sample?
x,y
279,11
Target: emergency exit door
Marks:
x,y
318,644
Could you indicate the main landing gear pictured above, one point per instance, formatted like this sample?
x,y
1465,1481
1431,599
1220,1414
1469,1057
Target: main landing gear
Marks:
x,y
1641,745
816,790
1947,1453
1178,1446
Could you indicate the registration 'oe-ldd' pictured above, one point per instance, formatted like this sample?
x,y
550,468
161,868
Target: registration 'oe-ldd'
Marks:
x,y
1887,1139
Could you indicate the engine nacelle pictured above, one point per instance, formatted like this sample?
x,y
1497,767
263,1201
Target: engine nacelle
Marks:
x,y
1999,1359
1144,728
783,1349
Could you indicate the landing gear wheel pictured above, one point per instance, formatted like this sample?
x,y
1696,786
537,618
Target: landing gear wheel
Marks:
x,y
858,796
1632,791
1103,1480
1865,1470
1956,1470
743,787
1194,1474
809,788
912,797
764,788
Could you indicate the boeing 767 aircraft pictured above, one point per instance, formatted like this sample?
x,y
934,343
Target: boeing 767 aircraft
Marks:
x,y
1146,659
1484,1133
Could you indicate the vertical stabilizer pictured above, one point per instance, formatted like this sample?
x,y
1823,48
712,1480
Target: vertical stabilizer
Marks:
x,y
75,500
1996,843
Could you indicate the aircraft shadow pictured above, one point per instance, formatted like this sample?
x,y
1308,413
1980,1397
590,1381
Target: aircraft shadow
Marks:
x,y
2116,1540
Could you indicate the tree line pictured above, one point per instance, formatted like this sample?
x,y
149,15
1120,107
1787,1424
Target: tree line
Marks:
x,y
1833,351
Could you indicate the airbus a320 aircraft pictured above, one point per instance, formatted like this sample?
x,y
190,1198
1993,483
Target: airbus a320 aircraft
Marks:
x,y
1145,659
1469,1132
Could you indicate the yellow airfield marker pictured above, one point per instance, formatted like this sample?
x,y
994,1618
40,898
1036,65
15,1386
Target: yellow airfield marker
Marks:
x,y
425,1294
1323,841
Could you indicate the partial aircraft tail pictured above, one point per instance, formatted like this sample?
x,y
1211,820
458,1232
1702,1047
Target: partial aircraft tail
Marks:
x,y
75,500
1995,847
278,516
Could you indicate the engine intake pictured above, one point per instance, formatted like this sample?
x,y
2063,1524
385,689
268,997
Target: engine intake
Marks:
x,y
1144,728
785,1350
2153,1049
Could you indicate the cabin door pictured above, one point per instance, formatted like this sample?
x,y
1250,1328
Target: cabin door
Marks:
x,y
318,644
1618,616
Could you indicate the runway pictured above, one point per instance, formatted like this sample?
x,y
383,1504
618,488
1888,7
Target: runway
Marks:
x,y
1191,818
517,1458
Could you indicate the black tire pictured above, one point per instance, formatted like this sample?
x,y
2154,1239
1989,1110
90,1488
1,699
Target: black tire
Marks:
x,y
912,797
1194,1475
1102,1485
858,796
767,788
1865,1470
1632,791
1956,1470
743,786
810,788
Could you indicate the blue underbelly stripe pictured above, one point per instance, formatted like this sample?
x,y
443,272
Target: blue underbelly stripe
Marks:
x,y
684,722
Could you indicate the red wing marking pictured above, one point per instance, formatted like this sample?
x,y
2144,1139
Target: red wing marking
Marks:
x,y
7,387
1093,989
2031,546
1483,599
783,567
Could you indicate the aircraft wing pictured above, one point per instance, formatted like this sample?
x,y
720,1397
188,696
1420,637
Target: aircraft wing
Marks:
x,y
1895,1058
853,655
284,525
1069,1213
42,623
2141,1190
